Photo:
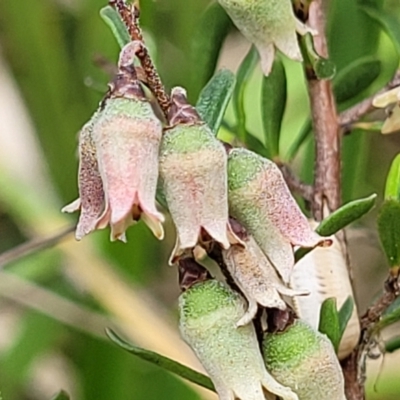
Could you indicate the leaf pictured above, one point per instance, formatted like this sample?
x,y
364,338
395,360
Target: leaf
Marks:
x,y
355,78
345,313
62,395
392,188
389,231
111,17
214,98
392,345
329,322
242,79
390,316
300,139
389,23
163,362
207,41
345,215
273,103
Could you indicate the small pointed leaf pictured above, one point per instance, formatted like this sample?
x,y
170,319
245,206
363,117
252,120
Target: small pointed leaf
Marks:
x,y
345,215
390,316
62,395
392,345
392,189
163,362
214,98
329,322
389,231
242,79
345,313
273,104
111,17
299,140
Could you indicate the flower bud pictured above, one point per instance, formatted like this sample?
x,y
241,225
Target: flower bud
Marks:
x,y
390,98
231,356
261,201
304,360
118,153
267,24
193,167
256,278
324,272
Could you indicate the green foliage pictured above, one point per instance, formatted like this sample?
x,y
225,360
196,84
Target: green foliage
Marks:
x,y
392,188
163,362
113,20
329,322
62,395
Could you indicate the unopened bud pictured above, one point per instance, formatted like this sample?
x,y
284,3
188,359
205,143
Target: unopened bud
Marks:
x,y
231,356
304,360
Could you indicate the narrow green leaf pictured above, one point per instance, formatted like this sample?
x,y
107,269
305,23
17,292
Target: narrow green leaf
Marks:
x,y
392,345
111,17
242,79
299,140
62,395
214,98
273,104
389,23
390,316
355,78
345,215
206,44
254,144
389,231
329,322
345,313
392,189
163,362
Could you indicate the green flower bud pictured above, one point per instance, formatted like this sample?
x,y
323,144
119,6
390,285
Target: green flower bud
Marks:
x,y
267,24
231,356
256,278
193,167
118,153
261,201
304,360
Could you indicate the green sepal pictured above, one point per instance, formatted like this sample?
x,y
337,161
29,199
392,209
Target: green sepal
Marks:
x,y
215,97
206,44
111,17
392,188
329,322
389,230
273,105
62,395
242,79
355,78
345,314
163,362
389,23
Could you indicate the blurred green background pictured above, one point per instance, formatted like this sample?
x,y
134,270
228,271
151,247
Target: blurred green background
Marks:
x,y
54,61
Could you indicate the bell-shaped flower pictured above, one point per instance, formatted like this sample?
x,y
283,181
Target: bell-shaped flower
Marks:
x,y
118,168
390,99
268,24
304,360
256,278
261,201
193,166
208,314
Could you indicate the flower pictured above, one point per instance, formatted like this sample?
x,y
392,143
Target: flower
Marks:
x,y
268,24
193,166
231,356
256,278
387,99
261,201
118,151
304,360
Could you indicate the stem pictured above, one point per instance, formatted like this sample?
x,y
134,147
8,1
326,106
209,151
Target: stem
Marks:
x,y
326,126
130,16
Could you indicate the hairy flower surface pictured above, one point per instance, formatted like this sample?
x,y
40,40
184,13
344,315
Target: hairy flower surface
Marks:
x,y
193,167
304,359
261,201
208,315
387,99
256,278
268,24
118,169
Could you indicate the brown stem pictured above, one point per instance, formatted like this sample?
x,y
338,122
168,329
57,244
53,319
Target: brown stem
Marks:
x,y
326,126
130,16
